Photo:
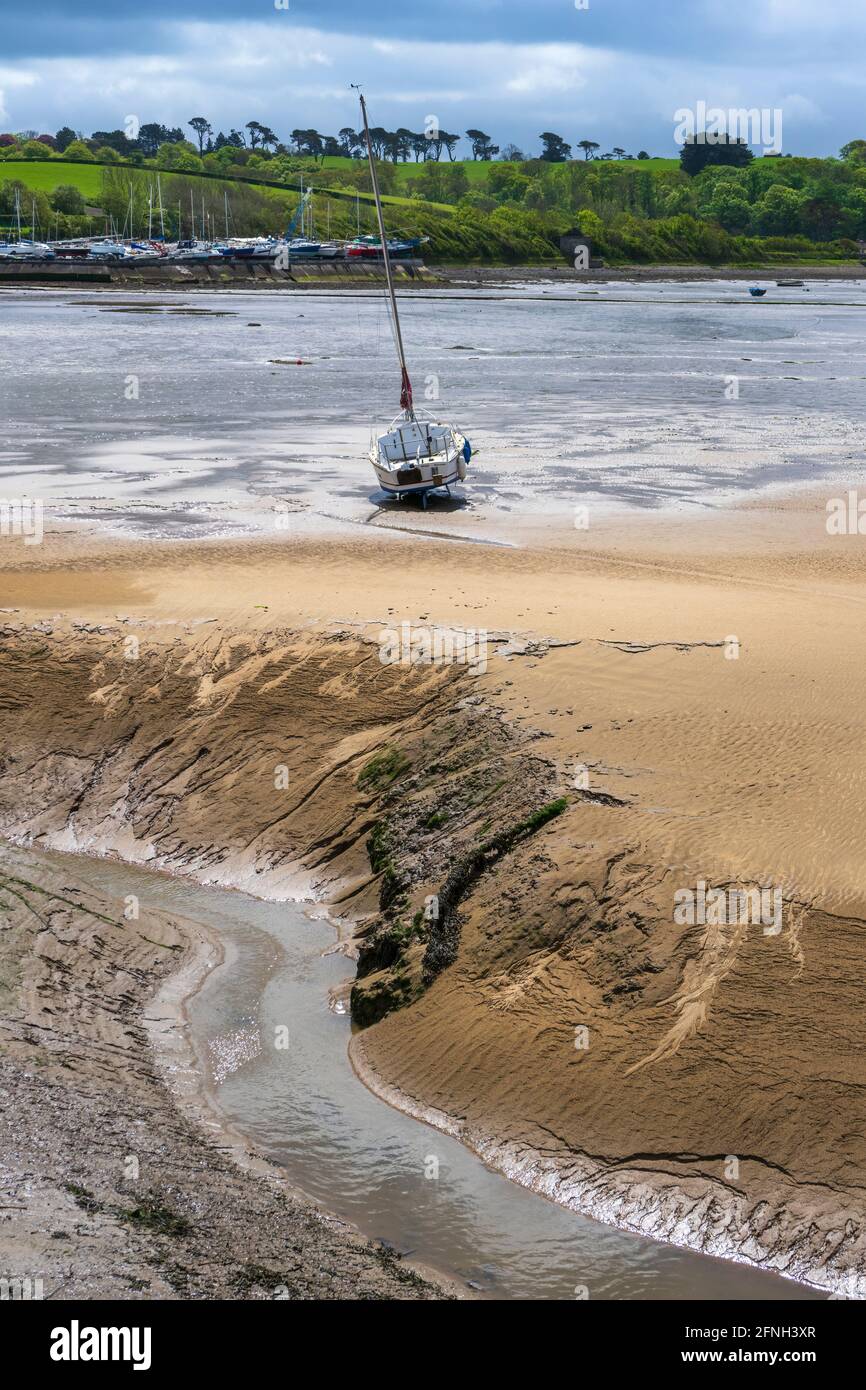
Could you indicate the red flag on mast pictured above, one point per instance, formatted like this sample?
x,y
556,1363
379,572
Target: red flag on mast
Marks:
x,y
406,392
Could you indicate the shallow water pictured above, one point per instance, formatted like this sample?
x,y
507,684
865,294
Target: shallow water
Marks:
x,y
354,1155
136,413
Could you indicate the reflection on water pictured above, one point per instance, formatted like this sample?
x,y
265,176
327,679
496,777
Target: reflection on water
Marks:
x,y
173,422
277,1060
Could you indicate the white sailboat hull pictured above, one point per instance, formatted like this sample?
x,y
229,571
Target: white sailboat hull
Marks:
x,y
418,456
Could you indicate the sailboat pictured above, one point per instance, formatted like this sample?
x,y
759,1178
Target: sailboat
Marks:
x,y
414,455
25,248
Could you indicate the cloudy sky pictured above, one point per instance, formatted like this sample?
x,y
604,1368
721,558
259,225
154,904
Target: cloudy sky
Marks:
x,y
614,71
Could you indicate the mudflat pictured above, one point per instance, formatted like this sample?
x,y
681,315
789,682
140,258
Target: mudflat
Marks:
x,y
662,712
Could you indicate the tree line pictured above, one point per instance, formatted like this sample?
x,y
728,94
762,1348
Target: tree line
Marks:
x,y
397,146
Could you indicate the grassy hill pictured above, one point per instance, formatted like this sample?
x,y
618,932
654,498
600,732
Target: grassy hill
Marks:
x,y
634,211
46,175
193,200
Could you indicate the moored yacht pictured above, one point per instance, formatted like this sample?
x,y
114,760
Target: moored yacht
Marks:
x,y
414,455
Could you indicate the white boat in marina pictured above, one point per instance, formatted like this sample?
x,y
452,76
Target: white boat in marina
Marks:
x,y
108,250
303,246
25,248
26,251
414,455
250,248
192,250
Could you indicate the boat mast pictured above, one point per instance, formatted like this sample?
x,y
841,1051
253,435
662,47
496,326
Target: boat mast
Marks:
x,y
406,385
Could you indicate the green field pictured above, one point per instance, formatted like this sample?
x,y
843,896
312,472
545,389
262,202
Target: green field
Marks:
x,y
475,168
46,175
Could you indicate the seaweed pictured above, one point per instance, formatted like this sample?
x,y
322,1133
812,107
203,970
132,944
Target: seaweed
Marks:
x,y
382,770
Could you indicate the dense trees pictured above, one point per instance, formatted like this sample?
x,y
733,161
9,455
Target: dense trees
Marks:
x,y
854,151
554,147
731,209
33,149
348,141
152,135
116,140
233,141
308,142
441,183
697,153
179,155
261,135
634,212
77,149
67,199
778,211
482,145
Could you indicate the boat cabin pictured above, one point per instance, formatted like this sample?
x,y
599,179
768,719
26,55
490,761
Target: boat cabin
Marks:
x,y
413,440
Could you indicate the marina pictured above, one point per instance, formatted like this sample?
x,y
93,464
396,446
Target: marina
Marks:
x,y
297,243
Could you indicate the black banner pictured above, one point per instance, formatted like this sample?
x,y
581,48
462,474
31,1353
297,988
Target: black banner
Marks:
x,y
142,1338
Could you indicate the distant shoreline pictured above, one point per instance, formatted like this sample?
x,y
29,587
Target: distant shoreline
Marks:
x,y
417,276
564,274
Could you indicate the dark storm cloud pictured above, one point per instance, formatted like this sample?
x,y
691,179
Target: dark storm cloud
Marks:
x,y
699,28
615,71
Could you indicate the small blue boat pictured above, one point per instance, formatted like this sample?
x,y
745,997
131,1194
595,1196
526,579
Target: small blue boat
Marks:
x,y
756,292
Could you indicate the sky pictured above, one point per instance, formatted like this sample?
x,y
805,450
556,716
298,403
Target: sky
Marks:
x,y
612,71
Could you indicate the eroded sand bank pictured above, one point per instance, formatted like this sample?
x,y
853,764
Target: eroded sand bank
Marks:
x,y
690,693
